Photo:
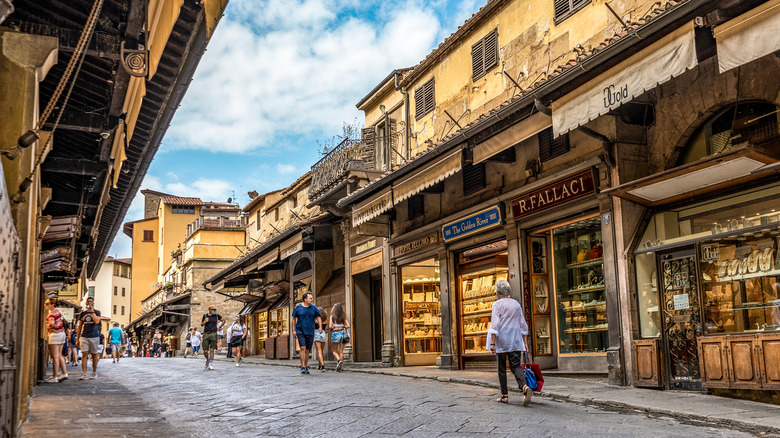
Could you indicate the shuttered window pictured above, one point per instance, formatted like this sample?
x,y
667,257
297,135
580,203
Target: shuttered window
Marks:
x,y
484,55
148,235
473,178
416,206
424,100
566,8
549,148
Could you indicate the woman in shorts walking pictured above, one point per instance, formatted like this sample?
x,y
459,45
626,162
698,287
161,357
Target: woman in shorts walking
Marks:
x,y
56,331
320,338
237,335
339,326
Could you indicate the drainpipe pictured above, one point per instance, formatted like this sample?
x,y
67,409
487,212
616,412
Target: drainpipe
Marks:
x,y
407,115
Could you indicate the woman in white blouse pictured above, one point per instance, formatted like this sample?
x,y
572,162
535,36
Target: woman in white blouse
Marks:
x,y
507,339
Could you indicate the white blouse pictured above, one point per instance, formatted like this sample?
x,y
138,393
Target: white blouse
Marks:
x,y
507,325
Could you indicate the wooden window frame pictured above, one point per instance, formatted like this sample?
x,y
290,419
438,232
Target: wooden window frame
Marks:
x,y
415,207
484,55
150,234
550,148
571,8
425,99
471,172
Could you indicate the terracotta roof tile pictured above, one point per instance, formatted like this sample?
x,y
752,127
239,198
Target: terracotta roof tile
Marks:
x,y
181,200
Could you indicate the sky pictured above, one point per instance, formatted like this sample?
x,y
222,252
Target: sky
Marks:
x,y
279,78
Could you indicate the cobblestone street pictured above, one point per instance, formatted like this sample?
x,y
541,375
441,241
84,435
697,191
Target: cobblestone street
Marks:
x,y
181,398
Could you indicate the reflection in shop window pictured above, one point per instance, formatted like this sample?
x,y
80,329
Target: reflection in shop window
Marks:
x,y
421,312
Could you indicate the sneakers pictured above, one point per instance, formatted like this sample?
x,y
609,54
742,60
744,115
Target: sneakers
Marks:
x,y
321,368
51,379
62,377
206,367
83,377
338,366
236,363
93,376
307,370
210,367
303,370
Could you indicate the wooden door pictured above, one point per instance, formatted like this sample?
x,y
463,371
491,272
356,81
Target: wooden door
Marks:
x,y
743,362
714,364
647,363
9,296
769,360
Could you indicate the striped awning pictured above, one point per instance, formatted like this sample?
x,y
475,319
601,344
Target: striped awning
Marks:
x,y
373,207
267,259
436,172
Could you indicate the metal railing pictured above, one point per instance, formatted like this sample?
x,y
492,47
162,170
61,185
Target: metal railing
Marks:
x,y
332,168
214,223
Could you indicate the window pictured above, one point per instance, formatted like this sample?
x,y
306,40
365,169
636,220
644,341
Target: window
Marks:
x,y
276,215
91,292
123,310
484,55
183,209
424,101
549,148
123,291
566,8
294,201
258,219
114,309
148,235
416,206
115,290
473,178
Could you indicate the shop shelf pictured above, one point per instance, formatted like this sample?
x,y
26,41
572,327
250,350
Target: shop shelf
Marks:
x,y
583,307
586,289
586,263
478,312
475,333
422,337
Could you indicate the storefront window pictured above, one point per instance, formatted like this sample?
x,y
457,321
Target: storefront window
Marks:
x,y
479,269
421,312
540,282
739,279
279,321
262,331
647,287
579,285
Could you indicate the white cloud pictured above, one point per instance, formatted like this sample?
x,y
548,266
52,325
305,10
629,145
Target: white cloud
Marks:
x,y
281,67
286,168
172,175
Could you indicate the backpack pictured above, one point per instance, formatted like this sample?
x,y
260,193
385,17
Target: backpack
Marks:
x,y
188,336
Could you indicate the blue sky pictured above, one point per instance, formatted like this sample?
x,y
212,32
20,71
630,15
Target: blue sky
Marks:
x,y
278,76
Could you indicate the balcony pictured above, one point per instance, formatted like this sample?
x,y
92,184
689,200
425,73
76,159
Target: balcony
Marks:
x,y
219,223
204,251
163,292
334,167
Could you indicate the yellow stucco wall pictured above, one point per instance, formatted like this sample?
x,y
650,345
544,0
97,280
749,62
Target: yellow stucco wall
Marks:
x,y
172,232
144,264
530,46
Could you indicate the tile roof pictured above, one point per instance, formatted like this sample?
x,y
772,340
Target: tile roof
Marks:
x,y
180,200
578,60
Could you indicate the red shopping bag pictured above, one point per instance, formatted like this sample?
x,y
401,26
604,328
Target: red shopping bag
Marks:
x,y
537,372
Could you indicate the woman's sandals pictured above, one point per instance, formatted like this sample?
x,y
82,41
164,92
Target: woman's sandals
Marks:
x,y
503,399
527,393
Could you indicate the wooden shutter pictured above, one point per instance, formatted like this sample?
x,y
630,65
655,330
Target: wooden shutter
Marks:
x,y
473,178
392,140
419,102
424,99
148,235
549,148
491,50
416,205
565,8
368,138
478,59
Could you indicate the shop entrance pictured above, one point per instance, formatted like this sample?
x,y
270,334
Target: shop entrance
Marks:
x,y
367,316
681,318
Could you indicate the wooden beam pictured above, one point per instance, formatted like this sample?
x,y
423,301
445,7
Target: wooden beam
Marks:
x,y
74,167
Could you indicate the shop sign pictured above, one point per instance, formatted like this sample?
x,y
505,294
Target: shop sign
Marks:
x,y
366,246
559,192
416,244
290,250
710,253
483,220
681,302
67,313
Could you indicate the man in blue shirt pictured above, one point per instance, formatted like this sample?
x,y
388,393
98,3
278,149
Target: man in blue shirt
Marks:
x,y
117,339
89,338
304,317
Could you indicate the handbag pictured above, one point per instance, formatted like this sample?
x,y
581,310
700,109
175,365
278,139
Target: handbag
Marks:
x,y
537,374
345,336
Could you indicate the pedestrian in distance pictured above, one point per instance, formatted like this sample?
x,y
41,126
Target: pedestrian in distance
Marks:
x,y
145,349
320,338
339,328
117,338
65,348
305,318
164,346
74,346
220,338
56,337
238,334
156,343
89,338
196,340
211,323
134,344
507,338
229,353
188,346
102,343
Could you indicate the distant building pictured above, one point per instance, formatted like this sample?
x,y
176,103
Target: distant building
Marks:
x,y
112,290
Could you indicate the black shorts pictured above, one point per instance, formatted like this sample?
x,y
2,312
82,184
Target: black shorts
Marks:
x,y
306,341
189,345
236,341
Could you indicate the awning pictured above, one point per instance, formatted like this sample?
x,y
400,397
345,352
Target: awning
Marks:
x,y
511,136
427,177
750,36
291,246
267,259
250,307
373,207
704,176
666,58
281,302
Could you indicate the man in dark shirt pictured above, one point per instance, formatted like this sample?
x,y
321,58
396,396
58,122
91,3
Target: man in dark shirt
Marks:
x,y
304,317
211,322
89,338
134,345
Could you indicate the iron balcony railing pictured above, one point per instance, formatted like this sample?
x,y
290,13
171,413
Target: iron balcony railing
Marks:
x,y
333,167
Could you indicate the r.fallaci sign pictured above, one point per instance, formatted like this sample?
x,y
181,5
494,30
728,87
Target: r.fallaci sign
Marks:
x,y
559,192
480,221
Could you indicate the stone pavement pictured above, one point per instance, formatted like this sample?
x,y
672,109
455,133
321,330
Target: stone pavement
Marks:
x,y
682,405
177,397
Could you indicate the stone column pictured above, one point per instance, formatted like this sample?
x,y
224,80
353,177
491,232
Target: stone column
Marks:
x,y
346,231
449,320
390,309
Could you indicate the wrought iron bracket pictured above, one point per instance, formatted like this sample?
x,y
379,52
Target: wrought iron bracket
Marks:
x,y
134,61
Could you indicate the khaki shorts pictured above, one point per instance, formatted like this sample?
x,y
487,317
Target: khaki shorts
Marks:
x,y
90,345
57,338
209,341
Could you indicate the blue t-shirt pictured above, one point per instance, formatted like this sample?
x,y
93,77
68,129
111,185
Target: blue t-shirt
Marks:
x,y
306,317
115,335
90,327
